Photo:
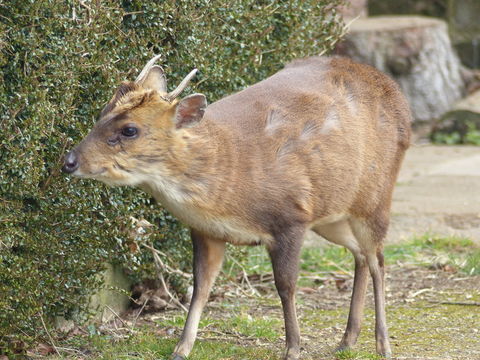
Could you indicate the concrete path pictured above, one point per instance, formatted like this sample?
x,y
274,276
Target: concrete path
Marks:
x,y
438,191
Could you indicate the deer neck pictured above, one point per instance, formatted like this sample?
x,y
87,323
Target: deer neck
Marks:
x,y
194,169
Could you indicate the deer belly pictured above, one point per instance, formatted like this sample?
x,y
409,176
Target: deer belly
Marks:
x,y
235,233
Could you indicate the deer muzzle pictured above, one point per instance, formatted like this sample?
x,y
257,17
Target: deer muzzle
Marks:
x,y
70,163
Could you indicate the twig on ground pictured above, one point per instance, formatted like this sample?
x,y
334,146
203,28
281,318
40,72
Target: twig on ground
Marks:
x,y
416,293
70,350
139,313
455,303
116,315
49,336
227,334
240,289
245,276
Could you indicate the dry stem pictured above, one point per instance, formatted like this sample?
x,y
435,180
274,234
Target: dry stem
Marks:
x,y
160,266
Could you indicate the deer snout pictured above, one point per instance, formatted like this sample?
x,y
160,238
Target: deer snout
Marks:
x,y
70,163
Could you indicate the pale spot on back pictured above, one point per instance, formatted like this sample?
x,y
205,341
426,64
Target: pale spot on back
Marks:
x,y
274,121
310,129
287,148
351,103
331,122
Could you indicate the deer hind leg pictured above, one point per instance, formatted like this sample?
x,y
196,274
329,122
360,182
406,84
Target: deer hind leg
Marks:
x,y
371,234
285,255
207,260
340,233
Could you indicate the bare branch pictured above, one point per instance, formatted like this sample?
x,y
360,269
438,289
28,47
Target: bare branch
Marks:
x,y
160,269
49,336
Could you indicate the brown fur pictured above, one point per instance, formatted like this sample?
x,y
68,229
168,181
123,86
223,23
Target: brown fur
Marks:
x,y
317,145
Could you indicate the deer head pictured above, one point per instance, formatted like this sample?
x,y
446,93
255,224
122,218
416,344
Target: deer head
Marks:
x,y
141,128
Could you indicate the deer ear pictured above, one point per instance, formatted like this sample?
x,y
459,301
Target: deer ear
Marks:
x,y
190,110
154,80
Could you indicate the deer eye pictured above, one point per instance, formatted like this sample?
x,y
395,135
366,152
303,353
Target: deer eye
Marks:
x,y
129,131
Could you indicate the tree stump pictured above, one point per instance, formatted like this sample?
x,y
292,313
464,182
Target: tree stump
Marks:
x,y
416,52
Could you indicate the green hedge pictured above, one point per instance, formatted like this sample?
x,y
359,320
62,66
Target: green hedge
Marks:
x,y
60,62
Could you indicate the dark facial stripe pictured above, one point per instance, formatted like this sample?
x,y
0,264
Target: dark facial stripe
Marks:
x,y
148,158
117,165
123,89
121,116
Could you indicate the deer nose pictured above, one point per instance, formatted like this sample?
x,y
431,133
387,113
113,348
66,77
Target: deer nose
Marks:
x,y
70,164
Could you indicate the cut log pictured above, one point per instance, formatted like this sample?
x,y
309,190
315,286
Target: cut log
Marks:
x,y
415,51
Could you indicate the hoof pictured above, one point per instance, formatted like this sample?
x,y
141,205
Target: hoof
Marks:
x,y
384,350
387,355
292,354
177,357
342,347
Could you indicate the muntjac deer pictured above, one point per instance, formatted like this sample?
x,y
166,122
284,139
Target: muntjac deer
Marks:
x,y
318,146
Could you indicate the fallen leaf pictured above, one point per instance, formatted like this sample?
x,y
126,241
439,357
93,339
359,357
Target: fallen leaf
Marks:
x,y
449,268
341,284
44,349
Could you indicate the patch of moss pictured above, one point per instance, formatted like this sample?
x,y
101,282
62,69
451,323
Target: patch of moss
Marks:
x,y
440,330
356,355
421,329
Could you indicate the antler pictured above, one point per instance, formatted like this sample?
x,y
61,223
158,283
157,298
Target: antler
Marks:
x,y
147,68
172,95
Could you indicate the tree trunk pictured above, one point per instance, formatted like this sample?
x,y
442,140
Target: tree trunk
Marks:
x,y
415,51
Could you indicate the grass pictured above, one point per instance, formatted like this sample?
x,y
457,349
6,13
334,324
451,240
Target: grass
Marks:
x,y
259,327
427,250
236,320
252,328
154,342
146,345
472,263
414,329
356,355
434,250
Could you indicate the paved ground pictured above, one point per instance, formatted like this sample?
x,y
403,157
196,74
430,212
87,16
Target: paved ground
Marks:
x,y
438,190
